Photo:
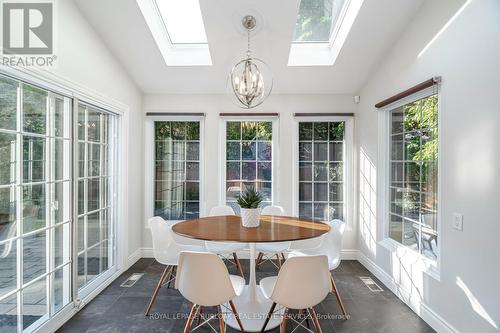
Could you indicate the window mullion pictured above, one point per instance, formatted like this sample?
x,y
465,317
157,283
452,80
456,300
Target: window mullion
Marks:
x,y
19,210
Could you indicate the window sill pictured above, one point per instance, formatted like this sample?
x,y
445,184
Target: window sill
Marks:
x,y
431,266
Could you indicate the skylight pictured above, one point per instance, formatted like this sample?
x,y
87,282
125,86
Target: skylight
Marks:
x,y
317,20
320,31
178,30
183,21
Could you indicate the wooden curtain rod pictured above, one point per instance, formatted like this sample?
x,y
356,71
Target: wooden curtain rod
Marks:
x,y
324,114
249,114
408,92
176,114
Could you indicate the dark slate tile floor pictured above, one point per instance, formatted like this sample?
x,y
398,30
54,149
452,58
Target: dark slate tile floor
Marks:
x,y
120,310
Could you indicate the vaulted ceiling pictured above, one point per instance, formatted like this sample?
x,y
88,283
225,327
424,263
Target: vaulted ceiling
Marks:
x,y
122,27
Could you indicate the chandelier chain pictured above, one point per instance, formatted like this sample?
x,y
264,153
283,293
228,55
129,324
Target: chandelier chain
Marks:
x,y
248,44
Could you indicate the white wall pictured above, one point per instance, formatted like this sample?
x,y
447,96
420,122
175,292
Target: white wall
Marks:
x,y
285,105
467,56
84,60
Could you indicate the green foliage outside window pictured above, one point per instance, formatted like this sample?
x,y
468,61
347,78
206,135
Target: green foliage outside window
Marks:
x,y
420,117
316,20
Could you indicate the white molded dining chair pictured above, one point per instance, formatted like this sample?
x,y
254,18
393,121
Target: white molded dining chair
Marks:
x,y
331,245
182,240
226,249
305,244
301,284
166,252
276,249
220,288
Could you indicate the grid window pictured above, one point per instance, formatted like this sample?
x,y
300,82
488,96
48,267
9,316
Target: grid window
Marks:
x,y
321,170
413,175
96,179
249,156
35,201
177,170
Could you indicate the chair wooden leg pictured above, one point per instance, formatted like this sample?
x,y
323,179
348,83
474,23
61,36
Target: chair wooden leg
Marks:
x,y
271,310
236,315
173,271
238,264
259,259
306,319
317,326
190,319
279,260
200,315
167,277
158,286
221,320
339,299
283,323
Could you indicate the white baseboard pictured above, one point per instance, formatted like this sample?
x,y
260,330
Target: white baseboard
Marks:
x,y
420,308
147,252
435,321
349,254
132,259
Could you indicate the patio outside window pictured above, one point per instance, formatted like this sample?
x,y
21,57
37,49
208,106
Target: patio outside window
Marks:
x,y
37,150
414,175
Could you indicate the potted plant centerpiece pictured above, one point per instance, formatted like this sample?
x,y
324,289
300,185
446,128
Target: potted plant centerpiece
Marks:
x,y
249,203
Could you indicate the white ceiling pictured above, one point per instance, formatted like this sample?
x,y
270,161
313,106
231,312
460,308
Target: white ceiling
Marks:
x,y
122,27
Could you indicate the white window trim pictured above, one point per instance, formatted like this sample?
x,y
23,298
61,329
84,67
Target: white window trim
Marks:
x,y
274,160
62,86
383,179
173,54
149,166
348,164
325,54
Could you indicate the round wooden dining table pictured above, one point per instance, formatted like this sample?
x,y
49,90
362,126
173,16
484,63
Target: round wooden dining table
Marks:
x,y
251,305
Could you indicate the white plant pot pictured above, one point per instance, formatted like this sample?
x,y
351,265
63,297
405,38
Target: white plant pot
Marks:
x,y
250,218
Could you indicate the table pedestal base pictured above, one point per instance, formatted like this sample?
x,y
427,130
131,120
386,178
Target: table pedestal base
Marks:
x,y
253,310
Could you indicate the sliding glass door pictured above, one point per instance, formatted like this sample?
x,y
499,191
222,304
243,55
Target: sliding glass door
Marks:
x,y
37,209
35,204
95,187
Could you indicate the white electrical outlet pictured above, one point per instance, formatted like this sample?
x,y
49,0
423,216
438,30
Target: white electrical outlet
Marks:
x,y
458,221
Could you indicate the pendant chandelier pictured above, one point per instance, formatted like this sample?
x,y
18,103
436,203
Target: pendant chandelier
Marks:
x,y
250,79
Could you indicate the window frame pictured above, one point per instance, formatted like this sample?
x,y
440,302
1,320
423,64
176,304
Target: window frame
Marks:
x,y
326,53
191,54
149,167
347,161
334,27
113,203
76,92
274,158
383,179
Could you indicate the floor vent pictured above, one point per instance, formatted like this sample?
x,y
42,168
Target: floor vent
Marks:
x,y
372,285
131,280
